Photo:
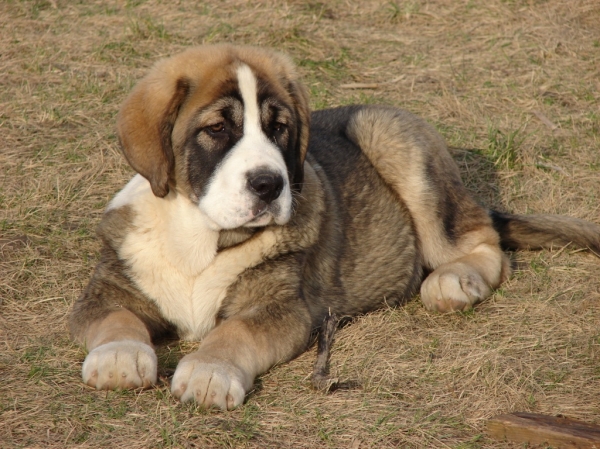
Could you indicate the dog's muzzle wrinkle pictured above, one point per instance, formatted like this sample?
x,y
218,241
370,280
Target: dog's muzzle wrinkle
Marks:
x,y
266,185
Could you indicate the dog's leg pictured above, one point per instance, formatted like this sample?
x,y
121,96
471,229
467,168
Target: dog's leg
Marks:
x,y
222,370
120,355
473,267
456,235
262,323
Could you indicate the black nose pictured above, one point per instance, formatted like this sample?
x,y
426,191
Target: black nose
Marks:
x,y
266,185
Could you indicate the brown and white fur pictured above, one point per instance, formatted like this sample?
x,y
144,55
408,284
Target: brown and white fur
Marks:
x,y
247,223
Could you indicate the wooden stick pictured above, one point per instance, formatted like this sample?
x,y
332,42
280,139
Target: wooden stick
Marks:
x,y
532,428
320,377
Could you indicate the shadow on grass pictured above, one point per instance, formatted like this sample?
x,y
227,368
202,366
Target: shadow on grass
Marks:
x,y
480,175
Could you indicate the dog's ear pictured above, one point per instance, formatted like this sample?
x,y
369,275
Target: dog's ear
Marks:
x,y
145,123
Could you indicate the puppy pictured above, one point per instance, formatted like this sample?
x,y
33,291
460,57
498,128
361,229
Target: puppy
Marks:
x,y
250,218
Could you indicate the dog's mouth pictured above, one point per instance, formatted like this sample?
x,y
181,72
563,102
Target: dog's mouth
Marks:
x,y
262,214
260,208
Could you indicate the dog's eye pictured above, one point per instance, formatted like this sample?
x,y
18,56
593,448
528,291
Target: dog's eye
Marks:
x,y
217,128
279,127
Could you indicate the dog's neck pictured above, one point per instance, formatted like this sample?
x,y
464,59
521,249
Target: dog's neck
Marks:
x,y
172,228
191,235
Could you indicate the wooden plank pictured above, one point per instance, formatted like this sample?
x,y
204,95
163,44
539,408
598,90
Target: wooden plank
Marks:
x,y
555,431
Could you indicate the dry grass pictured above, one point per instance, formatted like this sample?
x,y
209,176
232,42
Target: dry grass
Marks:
x,y
513,84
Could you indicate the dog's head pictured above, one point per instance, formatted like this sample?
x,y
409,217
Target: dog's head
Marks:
x,y
226,126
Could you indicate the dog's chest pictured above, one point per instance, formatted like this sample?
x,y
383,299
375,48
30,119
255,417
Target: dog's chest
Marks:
x,y
171,269
167,248
171,254
189,302
192,301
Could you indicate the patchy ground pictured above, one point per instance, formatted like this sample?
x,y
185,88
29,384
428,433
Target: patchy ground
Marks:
x,y
513,85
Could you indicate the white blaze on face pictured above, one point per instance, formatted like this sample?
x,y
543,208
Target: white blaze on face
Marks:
x,y
228,202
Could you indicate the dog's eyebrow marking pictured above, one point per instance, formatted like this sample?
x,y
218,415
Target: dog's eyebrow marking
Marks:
x,y
247,85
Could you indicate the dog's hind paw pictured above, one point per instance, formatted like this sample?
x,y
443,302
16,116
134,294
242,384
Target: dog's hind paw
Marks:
x,y
453,287
209,382
124,364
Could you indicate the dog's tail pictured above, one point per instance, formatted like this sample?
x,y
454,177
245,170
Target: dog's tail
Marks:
x,y
544,231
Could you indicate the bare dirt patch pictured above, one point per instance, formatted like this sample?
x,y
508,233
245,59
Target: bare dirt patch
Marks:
x,y
513,85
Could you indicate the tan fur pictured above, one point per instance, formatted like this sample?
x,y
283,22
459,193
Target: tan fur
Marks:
x,y
241,350
131,366
401,146
121,325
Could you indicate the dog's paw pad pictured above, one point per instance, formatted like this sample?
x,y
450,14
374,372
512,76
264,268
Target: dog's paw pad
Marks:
x,y
208,383
120,365
453,287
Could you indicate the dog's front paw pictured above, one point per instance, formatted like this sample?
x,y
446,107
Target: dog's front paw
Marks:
x,y
453,287
208,381
122,364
